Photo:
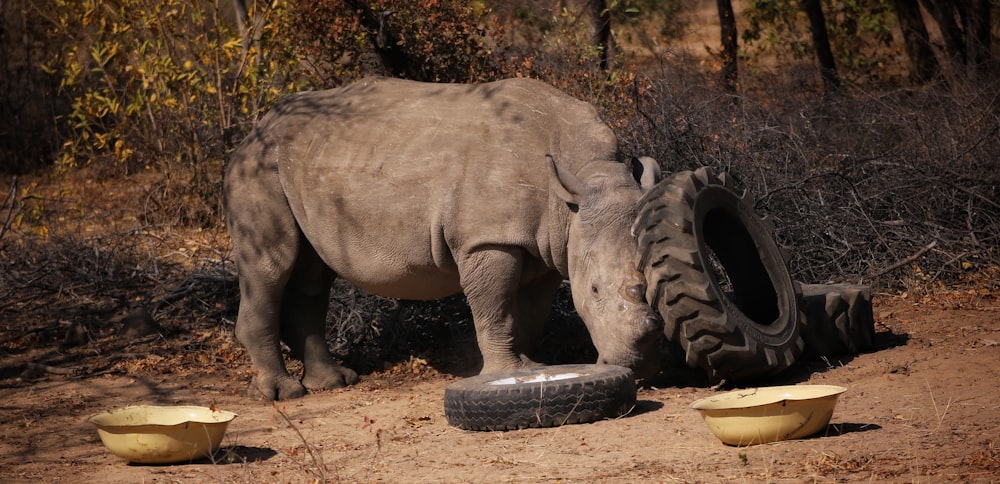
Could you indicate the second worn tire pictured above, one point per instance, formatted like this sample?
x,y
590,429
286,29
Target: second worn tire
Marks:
x,y
839,319
717,277
546,396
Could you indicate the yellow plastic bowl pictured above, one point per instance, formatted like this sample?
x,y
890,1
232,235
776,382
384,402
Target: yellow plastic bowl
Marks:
x,y
148,434
769,414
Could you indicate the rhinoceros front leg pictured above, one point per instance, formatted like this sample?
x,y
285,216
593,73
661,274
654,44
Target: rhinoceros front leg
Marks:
x,y
533,309
491,280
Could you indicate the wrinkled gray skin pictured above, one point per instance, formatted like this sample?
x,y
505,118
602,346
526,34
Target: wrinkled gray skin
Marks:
x,y
420,191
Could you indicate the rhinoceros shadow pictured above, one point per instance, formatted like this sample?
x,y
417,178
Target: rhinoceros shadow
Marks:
x,y
369,333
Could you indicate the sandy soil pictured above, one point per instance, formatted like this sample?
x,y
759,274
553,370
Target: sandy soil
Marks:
x,y
922,408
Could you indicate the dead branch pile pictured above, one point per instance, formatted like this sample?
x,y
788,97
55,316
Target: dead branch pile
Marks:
x,y
73,291
892,189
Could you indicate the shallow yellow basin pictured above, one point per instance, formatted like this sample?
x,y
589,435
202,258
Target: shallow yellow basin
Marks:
x,y
769,414
148,434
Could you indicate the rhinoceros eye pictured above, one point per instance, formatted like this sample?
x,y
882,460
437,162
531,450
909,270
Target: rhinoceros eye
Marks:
x,y
636,292
594,290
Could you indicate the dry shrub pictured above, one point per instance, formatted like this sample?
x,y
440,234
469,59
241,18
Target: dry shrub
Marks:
x,y
888,188
439,41
66,278
90,279
162,85
371,333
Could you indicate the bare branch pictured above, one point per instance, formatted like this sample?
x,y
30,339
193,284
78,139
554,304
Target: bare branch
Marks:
x,y
923,250
12,196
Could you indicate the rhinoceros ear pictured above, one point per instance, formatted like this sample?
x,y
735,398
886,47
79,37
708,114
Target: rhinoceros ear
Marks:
x,y
564,184
646,171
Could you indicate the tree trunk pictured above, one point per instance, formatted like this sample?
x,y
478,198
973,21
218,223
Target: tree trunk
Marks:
x,y
393,59
977,33
727,22
944,12
601,19
918,45
821,42
242,16
598,15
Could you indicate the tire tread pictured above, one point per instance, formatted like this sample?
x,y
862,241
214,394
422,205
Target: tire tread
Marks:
x,y
694,313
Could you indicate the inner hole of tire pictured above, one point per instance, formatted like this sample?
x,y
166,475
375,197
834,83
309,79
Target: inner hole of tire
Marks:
x,y
737,267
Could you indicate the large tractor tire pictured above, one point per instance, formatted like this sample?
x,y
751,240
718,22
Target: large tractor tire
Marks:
x,y
839,319
717,277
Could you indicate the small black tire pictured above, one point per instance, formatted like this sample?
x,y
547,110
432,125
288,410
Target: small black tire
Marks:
x,y
839,319
547,396
693,228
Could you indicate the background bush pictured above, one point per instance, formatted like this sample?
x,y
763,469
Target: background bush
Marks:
x,y
855,180
856,183
881,182
166,85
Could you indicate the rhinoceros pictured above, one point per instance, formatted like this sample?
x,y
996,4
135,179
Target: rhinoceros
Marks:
x,y
419,191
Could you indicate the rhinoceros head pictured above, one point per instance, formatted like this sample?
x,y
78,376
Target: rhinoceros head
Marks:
x,y
608,291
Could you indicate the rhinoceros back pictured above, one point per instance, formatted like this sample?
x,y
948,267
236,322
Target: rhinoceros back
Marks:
x,y
391,180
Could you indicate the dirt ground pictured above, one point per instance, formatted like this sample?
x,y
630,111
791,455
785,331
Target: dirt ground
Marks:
x,y
923,407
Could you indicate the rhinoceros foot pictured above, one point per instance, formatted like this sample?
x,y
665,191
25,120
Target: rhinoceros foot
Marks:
x,y
279,388
328,377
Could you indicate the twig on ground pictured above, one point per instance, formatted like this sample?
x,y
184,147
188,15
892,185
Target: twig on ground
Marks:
x,y
32,370
317,460
54,325
937,413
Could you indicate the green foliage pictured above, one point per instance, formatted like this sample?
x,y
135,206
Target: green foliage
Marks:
x,y
860,33
163,84
776,26
563,49
633,20
557,46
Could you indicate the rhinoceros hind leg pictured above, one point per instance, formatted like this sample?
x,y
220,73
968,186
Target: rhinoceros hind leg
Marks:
x,y
265,246
303,322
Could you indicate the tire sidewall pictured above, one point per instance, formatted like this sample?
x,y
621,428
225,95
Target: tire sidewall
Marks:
x,y
588,394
